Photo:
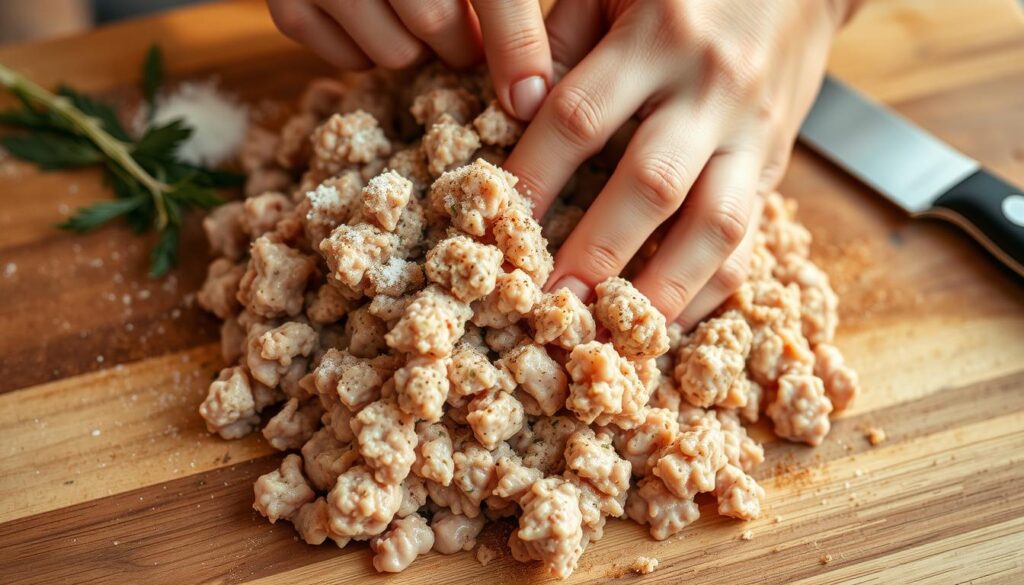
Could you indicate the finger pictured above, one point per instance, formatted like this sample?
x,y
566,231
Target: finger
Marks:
x,y
649,184
709,229
518,55
307,24
573,30
449,27
729,277
593,100
375,27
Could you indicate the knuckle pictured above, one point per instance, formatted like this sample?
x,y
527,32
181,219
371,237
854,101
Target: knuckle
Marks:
x,y
602,259
660,180
400,57
432,18
577,116
727,224
673,292
732,274
521,42
290,19
676,23
740,70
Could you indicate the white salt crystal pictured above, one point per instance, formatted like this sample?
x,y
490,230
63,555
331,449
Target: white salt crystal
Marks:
x,y
218,121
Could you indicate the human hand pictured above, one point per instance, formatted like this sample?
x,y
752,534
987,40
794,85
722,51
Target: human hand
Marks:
x,y
721,87
357,34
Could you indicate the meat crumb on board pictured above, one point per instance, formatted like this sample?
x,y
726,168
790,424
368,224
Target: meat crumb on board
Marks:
x,y
644,565
386,326
875,435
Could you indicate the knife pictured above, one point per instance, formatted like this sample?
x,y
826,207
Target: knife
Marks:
x,y
915,170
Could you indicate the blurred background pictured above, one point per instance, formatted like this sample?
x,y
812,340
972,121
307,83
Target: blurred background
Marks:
x,y
32,20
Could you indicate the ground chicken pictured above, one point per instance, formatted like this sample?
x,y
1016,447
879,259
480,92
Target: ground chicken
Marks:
x,y
551,526
384,198
688,465
739,495
414,496
411,163
280,493
513,297
659,428
258,149
654,504
466,268
819,305
366,333
230,409
330,204
497,128
458,104
434,453
637,328
293,425
595,506
312,523
294,148
561,318
841,381
330,303
267,179
325,458
455,532
352,251
271,354
540,376
470,372
387,440
359,506
506,339
232,337
740,449
260,214
519,237
422,387
346,140
473,196
474,476
275,280
431,324
514,478
602,381
593,458
495,416
710,365
783,235
223,228
355,381
397,548
801,408
219,293
448,145
545,448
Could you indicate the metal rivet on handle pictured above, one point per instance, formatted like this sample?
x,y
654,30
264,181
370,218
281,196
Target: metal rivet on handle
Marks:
x,y
1013,209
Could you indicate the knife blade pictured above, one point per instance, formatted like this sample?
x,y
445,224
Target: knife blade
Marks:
x,y
915,170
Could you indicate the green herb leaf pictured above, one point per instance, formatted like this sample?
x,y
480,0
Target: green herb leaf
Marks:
x,y
89,218
52,151
96,109
162,142
152,76
165,253
190,195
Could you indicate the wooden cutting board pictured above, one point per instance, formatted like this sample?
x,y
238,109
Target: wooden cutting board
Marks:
x,y
107,474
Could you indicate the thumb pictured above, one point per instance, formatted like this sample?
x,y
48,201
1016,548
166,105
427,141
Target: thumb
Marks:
x,y
516,45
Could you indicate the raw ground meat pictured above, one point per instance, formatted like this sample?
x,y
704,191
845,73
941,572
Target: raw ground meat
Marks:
x,y
382,291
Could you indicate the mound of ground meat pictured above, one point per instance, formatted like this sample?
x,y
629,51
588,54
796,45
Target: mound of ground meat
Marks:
x,y
382,290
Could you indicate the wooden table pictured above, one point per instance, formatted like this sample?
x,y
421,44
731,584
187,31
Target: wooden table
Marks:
x,y
107,474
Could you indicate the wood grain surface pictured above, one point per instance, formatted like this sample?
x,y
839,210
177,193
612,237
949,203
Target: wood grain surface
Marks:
x,y
107,473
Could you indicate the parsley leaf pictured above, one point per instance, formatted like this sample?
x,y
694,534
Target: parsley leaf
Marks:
x,y
152,77
51,150
89,218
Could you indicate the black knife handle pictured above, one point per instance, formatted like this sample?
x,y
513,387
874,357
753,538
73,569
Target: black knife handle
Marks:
x,y
992,211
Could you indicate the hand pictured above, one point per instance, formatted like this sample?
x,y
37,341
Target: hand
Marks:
x,y
721,87
357,34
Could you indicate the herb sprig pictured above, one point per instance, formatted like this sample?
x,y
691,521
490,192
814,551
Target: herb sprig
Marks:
x,y
153,188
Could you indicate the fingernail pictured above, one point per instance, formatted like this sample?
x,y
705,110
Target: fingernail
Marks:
x,y
575,285
527,95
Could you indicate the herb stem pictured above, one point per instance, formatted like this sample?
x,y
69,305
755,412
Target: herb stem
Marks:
x,y
115,150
